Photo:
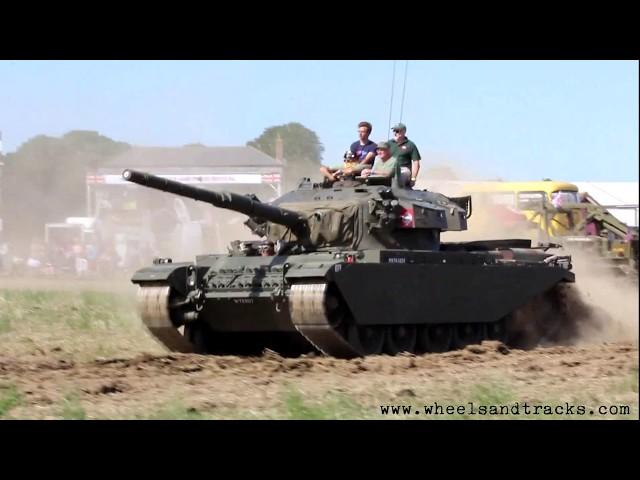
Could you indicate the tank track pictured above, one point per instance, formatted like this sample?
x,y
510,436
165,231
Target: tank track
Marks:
x,y
334,335
323,320
155,311
309,316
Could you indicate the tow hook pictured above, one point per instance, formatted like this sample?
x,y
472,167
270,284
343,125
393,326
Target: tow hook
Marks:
x,y
195,298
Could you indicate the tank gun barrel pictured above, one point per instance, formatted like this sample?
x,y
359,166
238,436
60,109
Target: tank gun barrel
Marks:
x,y
230,201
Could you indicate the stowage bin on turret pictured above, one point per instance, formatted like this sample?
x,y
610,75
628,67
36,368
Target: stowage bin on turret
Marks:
x,y
349,269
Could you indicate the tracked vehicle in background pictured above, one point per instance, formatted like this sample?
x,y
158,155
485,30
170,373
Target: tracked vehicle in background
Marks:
x,y
348,269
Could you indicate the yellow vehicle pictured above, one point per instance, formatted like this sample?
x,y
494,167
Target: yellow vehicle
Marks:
x,y
557,212
530,204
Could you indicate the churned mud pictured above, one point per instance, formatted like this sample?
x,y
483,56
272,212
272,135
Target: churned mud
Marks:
x,y
183,386
77,354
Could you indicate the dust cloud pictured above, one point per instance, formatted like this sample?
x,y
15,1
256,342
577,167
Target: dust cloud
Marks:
x,y
601,306
612,298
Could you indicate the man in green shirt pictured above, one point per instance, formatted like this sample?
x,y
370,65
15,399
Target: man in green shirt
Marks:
x,y
385,164
405,151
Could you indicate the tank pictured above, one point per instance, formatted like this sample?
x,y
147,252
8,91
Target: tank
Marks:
x,y
350,269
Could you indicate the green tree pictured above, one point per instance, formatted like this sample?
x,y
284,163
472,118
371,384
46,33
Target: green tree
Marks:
x,y
302,149
45,181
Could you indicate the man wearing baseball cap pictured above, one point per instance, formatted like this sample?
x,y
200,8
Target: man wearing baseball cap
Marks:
x,y
405,151
385,164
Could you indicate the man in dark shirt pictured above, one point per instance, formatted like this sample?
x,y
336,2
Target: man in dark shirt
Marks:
x,y
363,148
363,153
405,151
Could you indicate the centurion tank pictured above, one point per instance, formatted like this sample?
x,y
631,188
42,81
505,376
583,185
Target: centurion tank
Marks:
x,y
348,269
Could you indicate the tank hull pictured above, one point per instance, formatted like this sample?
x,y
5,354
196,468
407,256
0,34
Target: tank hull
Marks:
x,y
344,304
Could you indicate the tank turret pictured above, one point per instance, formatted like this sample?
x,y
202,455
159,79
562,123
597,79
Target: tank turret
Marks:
x,y
353,214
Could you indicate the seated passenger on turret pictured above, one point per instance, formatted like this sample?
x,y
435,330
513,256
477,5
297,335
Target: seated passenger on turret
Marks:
x,y
359,156
350,167
385,165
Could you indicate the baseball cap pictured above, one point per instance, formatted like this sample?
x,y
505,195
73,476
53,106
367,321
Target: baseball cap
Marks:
x,y
399,126
384,145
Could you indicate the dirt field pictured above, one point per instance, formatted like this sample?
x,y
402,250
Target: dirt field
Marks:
x,y
78,351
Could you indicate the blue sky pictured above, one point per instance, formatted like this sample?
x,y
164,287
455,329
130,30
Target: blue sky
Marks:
x,y
573,120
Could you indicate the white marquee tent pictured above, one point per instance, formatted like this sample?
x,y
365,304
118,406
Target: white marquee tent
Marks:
x,y
615,193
